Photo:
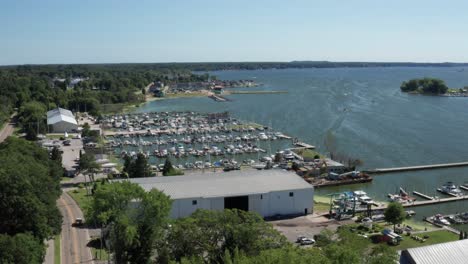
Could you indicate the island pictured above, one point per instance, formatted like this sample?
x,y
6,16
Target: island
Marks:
x,y
429,86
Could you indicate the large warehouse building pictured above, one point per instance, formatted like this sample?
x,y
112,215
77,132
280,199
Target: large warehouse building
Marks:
x,y
61,120
267,192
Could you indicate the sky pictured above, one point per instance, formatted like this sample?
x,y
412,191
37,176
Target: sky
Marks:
x,y
119,31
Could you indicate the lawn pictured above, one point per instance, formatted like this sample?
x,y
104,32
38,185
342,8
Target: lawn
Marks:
x,y
57,249
435,237
80,197
99,254
308,154
65,179
321,207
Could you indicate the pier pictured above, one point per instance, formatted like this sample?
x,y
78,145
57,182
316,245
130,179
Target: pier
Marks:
x,y
304,145
420,167
427,197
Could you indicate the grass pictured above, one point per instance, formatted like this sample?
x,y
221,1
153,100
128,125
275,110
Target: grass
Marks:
x,y
65,179
57,249
81,198
257,92
321,207
177,95
100,253
54,136
308,154
245,126
435,237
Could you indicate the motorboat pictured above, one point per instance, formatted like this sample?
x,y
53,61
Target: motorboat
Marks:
x,y
450,189
440,219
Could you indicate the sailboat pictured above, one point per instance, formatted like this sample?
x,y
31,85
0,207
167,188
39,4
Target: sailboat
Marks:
x,y
402,196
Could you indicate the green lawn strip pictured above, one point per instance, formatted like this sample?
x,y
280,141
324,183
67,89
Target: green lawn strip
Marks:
x,y
96,250
435,237
100,254
321,207
80,197
57,249
307,153
65,179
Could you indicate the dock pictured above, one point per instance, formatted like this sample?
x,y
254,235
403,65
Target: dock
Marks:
x,y
463,187
218,98
304,145
420,167
451,194
427,197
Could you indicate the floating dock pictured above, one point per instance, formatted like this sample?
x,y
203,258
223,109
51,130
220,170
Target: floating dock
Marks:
x,y
427,197
304,145
421,167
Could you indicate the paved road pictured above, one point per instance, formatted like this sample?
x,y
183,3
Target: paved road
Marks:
x,y
7,130
74,239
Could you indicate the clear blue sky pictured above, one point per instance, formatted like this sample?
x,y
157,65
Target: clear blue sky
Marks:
x,y
95,31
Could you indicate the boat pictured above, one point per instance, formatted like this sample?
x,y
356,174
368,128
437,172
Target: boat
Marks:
x,y
259,166
450,189
401,197
439,219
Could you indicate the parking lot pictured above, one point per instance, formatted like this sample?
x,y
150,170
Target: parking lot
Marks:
x,y
307,226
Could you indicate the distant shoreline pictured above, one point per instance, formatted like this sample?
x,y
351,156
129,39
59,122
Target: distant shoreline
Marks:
x,y
219,66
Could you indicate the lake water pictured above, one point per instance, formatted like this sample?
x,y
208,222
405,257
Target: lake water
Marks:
x,y
359,113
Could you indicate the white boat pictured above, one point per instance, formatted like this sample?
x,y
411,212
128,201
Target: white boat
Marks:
x,y
439,219
450,189
259,166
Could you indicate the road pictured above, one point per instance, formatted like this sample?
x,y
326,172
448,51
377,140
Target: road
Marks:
x,y
8,129
74,239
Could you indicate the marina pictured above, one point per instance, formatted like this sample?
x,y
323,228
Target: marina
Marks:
x,y
194,140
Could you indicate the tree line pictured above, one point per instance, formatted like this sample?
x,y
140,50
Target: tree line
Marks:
x,y
425,85
137,229
44,87
29,188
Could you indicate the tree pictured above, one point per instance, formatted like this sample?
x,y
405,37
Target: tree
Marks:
x,y
136,219
137,168
21,249
209,234
169,170
88,166
167,167
394,213
32,117
29,188
56,156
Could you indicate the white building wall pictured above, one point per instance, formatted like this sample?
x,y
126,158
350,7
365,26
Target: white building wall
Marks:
x,y
266,204
62,126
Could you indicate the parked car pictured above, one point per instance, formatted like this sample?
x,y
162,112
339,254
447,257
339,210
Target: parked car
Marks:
x,y
299,239
307,241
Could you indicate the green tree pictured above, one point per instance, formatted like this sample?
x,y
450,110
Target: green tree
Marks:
x,y
26,172
32,118
211,233
88,167
167,168
56,156
136,220
21,249
137,168
382,254
394,213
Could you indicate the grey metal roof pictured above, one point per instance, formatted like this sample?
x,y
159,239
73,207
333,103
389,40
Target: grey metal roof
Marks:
x,y
451,252
233,183
60,114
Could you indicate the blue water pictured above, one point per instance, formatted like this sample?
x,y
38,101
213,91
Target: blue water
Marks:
x,y
358,113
